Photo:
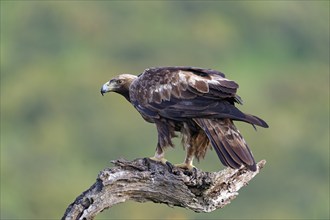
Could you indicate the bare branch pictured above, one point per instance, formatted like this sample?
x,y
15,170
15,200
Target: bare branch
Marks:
x,y
145,180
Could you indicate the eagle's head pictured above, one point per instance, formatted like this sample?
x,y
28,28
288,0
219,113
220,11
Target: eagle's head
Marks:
x,y
119,84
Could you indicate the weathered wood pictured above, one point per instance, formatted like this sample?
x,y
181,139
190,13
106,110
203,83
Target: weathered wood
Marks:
x,y
145,180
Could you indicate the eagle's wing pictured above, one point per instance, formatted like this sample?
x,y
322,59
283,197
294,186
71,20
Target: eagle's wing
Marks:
x,y
187,92
162,83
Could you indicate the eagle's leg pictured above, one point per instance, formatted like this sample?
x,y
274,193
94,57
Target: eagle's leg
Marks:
x,y
159,155
165,133
188,161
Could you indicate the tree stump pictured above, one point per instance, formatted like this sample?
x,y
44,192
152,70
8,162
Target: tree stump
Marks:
x,y
145,180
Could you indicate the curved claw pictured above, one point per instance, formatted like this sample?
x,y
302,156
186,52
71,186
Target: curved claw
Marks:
x,y
170,166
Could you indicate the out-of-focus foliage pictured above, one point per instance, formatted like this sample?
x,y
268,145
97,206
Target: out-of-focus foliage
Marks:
x,y
57,131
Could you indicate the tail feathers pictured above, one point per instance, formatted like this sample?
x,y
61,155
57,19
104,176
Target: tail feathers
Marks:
x,y
228,143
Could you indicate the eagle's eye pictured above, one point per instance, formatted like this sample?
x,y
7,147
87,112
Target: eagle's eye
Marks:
x,y
119,81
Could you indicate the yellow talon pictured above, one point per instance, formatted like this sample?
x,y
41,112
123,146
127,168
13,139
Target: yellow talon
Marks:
x,y
159,159
186,166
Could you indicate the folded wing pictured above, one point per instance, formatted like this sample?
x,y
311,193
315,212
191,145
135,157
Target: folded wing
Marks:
x,y
188,92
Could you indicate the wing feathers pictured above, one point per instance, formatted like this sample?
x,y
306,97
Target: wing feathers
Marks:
x,y
256,120
160,84
200,86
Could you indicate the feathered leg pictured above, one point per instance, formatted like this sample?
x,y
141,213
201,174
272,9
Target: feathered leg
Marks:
x,y
159,155
187,142
165,133
191,143
195,142
188,161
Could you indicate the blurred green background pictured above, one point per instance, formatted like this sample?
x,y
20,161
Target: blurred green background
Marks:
x,y
58,132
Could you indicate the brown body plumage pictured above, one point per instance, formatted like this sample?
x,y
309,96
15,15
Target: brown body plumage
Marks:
x,y
199,103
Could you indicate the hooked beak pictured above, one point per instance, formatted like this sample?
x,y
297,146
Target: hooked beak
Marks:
x,y
106,88
102,92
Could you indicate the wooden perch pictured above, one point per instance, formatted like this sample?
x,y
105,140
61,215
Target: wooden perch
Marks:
x,y
145,180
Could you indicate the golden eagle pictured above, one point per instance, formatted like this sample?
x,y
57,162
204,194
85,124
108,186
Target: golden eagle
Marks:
x,y
199,103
